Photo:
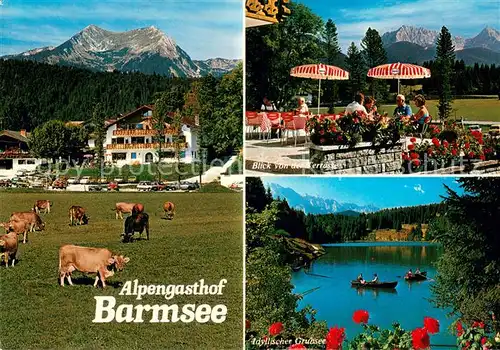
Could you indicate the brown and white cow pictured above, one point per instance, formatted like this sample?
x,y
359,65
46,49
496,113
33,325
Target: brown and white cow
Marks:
x,y
89,260
33,220
19,227
77,216
8,247
127,208
42,205
169,209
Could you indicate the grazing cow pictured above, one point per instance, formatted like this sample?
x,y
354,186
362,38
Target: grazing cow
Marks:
x,y
169,209
136,223
89,260
19,227
42,205
126,208
8,247
33,219
77,216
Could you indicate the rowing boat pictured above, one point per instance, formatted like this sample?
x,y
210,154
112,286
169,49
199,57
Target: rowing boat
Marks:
x,y
422,276
358,284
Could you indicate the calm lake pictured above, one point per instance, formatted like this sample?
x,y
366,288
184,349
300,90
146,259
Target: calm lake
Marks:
x,y
335,300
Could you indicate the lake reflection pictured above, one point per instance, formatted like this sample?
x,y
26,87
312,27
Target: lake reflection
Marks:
x,y
335,300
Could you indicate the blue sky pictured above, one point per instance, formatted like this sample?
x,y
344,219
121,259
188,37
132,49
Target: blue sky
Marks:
x,y
382,192
202,28
464,18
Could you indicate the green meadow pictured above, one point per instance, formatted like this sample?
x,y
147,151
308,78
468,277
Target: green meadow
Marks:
x,y
203,241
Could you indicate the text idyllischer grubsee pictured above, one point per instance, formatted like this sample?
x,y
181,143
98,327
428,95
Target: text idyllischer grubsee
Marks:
x,y
106,309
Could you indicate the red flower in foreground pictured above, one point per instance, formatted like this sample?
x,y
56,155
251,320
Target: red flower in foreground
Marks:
x,y
445,143
247,324
413,139
483,340
414,155
411,147
431,325
420,338
276,328
335,338
435,141
478,324
460,328
471,155
454,152
360,316
297,347
416,162
467,145
467,345
482,157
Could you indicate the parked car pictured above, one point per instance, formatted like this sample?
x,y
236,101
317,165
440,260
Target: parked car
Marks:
x,y
60,184
157,186
95,188
475,128
113,186
85,180
189,186
73,180
5,183
495,130
144,186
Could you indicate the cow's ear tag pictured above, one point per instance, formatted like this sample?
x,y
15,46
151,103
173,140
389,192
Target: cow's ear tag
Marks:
x,y
126,260
111,261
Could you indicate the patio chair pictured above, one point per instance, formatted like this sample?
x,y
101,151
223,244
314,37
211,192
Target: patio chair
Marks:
x,y
253,120
274,119
425,126
295,125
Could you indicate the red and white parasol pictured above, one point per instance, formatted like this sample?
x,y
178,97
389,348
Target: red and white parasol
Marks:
x,y
399,71
320,72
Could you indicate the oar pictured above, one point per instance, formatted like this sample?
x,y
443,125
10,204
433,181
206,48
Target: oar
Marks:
x,y
309,291
313,274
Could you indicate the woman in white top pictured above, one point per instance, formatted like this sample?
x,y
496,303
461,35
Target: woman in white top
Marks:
x,y
302,109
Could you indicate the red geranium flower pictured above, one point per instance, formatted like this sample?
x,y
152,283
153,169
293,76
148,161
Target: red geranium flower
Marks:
x,y
322,132
482,157
454,152
460,328
420,338
476,324
435,141
430,152
483,340
411,147
467,345
467,145
360,316
445,143
471,154
247,324
431,325
416,162
297,347
276,328
340,138
335,338
413,139
414,155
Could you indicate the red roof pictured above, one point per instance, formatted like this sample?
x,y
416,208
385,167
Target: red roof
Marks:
x,y
185,120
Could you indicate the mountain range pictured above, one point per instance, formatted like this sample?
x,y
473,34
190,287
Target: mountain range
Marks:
x,y
146,50
315,205
417,45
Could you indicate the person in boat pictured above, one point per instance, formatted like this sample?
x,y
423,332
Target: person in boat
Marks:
x,y
409,273
360,279
375,278
417,271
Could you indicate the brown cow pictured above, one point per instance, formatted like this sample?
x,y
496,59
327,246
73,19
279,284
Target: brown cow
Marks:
x,y
8,247
169,209
89,260
33,219
19,227
127,208
42,205
77,216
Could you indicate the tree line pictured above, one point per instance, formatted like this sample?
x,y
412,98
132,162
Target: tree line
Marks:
x,y
32,94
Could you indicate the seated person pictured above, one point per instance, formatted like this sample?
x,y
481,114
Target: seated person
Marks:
x,y
402,110
417,271
370,107
375,278
356,105
422,113
360,278
302,109
267,105
409,273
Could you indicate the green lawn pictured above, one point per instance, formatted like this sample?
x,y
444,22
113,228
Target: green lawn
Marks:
x,y
203,241
470,109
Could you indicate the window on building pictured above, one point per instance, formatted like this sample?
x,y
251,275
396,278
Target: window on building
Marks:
x,y
119,156
133,155
30,161
21,161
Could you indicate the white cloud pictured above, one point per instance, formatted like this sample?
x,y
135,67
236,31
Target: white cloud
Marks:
x,y
418,188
